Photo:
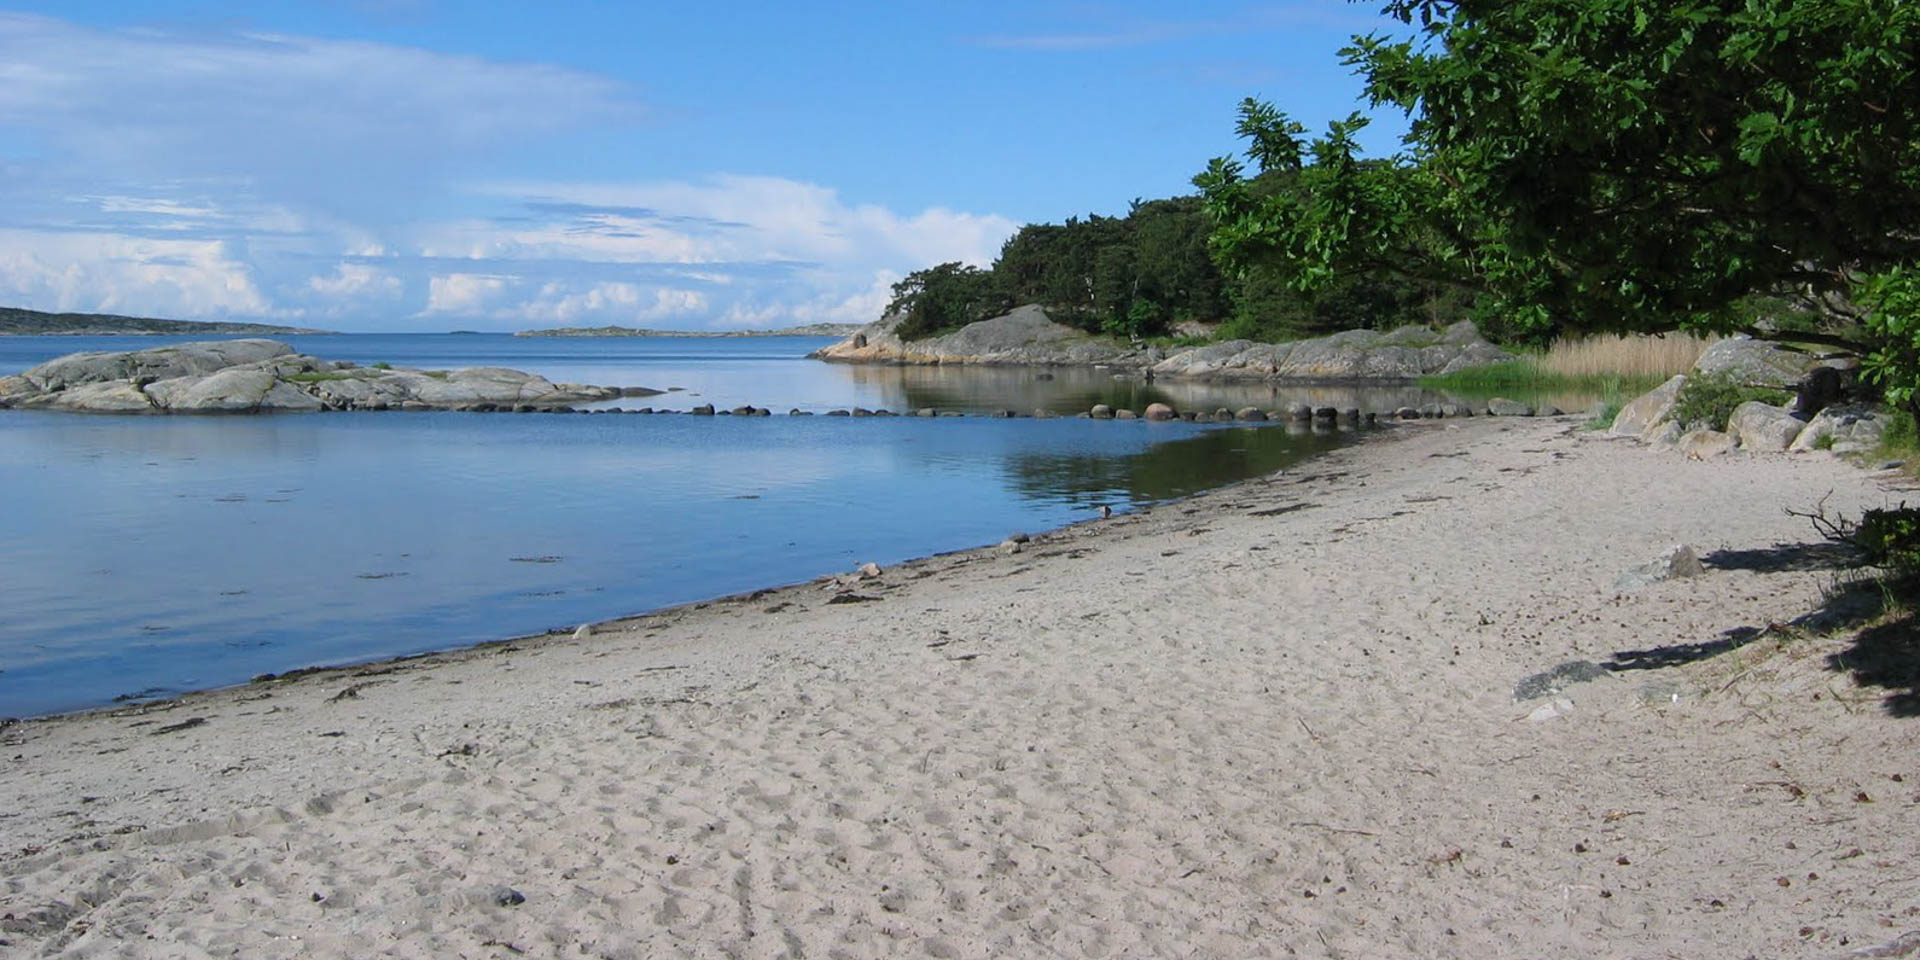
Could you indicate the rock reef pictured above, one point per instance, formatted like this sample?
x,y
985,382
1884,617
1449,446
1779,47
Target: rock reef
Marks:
x,y
1027,336
266,376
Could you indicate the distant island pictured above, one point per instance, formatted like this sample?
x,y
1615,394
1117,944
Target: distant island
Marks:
x,y
16,322
809,330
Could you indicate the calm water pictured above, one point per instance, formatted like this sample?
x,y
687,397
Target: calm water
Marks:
x,y
152,555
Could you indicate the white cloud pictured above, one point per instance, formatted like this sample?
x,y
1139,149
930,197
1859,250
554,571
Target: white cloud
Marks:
x,y
465,294
113,273
626,303
355,280
312,113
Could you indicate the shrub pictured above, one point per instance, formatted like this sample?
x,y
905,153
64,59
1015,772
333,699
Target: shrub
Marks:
x,y
1891,539
1708,400
383,365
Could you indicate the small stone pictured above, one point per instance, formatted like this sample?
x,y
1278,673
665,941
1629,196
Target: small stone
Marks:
x,y
1010,547
1124,414
1674,563
869,571
1101,411
1019,537
1551,710
703,410
926,412
1299,412
505,896
1250,414
1160,411
1503,407
1407,413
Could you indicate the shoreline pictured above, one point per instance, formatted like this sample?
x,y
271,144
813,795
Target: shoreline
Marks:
x,y
1274,716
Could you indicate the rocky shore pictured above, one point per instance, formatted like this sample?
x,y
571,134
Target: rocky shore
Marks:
x,y
1392,704
266,376
1820,417
1028,337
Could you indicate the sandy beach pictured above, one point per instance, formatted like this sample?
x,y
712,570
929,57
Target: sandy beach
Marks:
x,y
1275,720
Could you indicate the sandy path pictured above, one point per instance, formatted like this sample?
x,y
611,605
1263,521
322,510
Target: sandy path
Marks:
x,y
1273,721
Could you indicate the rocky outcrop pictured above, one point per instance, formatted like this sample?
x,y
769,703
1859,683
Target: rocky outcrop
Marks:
x,y
1755,362
1353,355
263,376
1649,410
1028,337
1763,427
1755,426
1847,428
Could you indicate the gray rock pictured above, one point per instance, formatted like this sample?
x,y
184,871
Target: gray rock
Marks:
x,y
1431,411
1665,434
1755,362
926,412
159,363
1407,413
1764,428
1024,336
1403,354
1707,444
1124,414
1638,418
1252,414
1010,546
703,410
1299,411
1160,411
1548,410
1101,411
1503,407
1674,563
1350,414
1325,413
1847,426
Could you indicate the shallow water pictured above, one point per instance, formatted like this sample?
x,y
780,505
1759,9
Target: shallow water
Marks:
x,y
152,555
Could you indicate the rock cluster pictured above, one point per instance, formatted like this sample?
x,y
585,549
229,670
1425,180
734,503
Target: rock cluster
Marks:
x,y
1754,426
1027,336
265,376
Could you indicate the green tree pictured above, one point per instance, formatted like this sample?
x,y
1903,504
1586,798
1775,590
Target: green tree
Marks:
x,y
1610,165
947,297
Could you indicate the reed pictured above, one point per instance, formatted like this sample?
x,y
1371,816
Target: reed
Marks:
x,y
1636,357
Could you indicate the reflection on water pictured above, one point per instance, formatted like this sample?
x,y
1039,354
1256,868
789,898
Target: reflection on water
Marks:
x,y
173,553
1075,389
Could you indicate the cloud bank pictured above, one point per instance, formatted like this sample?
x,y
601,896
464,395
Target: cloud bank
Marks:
x,y
358,185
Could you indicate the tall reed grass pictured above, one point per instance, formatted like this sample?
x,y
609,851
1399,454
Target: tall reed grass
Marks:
x,y
1637,357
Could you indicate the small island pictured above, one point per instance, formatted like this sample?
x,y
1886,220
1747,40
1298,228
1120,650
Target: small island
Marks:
x,y
806,330
20,322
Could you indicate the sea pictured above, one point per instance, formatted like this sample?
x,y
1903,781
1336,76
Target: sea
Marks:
x,y
147,556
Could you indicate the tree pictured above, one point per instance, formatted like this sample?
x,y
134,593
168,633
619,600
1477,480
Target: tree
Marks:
x,y
947,297
1609,165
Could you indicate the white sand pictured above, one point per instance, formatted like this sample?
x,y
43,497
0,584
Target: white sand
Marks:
x,y
1196,732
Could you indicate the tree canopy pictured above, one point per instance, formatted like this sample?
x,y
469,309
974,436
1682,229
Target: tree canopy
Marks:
x,y
1142,274
1610,165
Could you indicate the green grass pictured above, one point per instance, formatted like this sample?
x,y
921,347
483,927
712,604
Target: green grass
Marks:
x,y
1526,376
1902,441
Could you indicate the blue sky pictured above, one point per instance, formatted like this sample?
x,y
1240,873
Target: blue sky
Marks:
x,y
401,165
